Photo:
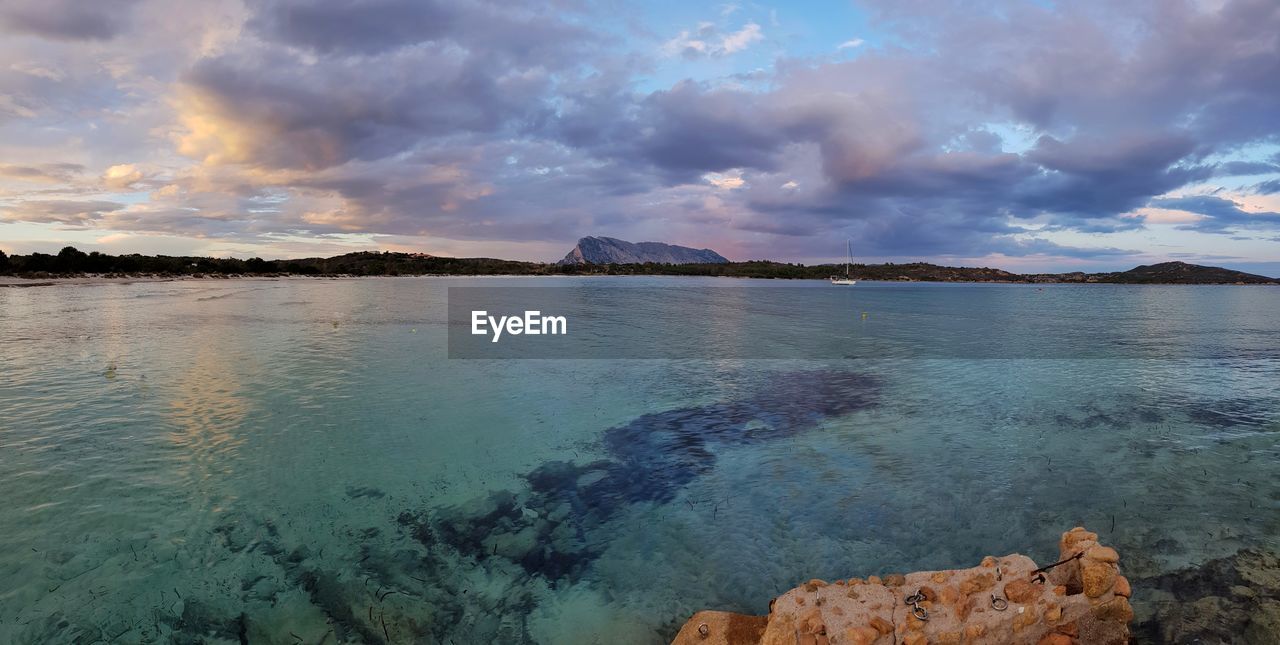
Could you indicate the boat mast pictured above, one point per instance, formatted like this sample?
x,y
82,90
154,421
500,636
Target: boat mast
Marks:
x,y
848,248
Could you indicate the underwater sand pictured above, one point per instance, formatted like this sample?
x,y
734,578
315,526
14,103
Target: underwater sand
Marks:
x,y
297,460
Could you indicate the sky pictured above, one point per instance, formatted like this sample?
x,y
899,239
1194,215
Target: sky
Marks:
x,y
1025,135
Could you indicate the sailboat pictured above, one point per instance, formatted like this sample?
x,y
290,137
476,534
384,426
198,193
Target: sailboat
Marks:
x,y
847,280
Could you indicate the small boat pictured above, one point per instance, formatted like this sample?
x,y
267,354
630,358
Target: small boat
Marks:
x,y
847,280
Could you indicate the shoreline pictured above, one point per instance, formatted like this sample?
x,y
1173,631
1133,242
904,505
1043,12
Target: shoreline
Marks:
x,y
20,281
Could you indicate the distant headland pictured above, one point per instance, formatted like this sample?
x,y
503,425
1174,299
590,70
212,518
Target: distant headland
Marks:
x,y
71,262
609,250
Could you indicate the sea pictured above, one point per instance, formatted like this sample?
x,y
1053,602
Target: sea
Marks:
x,y
328,460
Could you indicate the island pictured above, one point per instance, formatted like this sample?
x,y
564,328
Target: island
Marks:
x,y
71,262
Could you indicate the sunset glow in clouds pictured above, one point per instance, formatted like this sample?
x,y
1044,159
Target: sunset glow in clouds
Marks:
x,y
1025,135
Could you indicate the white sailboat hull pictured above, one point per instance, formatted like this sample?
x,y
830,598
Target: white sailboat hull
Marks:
x,y
847,280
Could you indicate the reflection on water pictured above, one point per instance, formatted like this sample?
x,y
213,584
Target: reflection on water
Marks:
x,y
207,411
285,461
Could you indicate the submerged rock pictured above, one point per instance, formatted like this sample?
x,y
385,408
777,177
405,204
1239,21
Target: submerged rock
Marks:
x,y
1228,600
546,529
1008,600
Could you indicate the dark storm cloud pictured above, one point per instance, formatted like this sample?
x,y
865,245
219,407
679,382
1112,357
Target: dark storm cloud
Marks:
x,y
974,131
368,26
687,131
313,117
66,19
1086,180
508,32
427,71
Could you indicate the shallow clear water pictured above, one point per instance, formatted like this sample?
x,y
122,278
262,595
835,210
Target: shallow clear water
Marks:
x,y
286,460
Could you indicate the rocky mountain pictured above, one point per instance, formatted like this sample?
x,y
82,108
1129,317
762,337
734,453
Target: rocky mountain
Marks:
x,y
1162,273
1183,273
608,250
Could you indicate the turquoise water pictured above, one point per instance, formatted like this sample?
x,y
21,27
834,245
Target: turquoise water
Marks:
x,y
297,460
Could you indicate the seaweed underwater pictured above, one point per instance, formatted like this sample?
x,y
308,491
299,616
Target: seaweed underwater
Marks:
x,y
475,572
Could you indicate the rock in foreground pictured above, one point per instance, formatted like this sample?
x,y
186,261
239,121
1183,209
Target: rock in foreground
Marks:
x,y
1084,599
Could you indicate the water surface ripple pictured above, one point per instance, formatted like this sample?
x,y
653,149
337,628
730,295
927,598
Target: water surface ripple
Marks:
x,y
285,460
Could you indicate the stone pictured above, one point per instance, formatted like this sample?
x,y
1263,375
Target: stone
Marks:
x,y
1024,617
1121,587
1053,614
915,638
1209,602
861,635
965,607
1102,554
881,625
1098,578
980,582
959,607
1055,639
722,628
974,632
1074,540
1021,591
949,595
1117,610
949,638
1264,627
812,623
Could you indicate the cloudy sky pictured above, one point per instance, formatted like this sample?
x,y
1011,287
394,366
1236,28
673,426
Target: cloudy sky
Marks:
x,y
1030,135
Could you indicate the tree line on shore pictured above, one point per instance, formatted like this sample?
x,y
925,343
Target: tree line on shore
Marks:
x,y
71,261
